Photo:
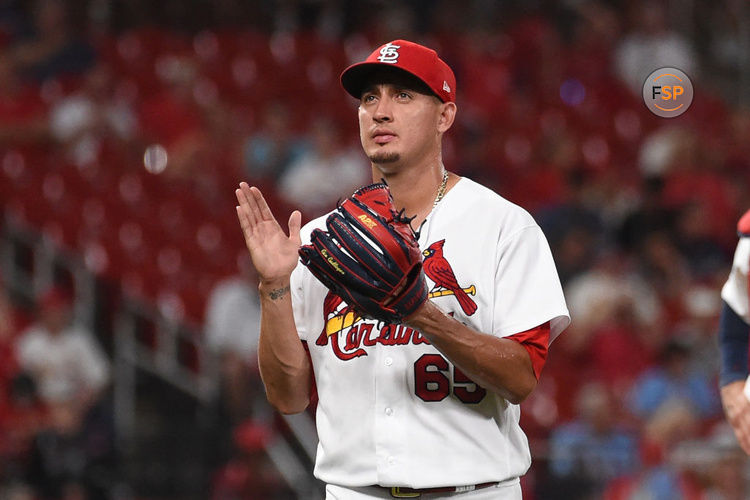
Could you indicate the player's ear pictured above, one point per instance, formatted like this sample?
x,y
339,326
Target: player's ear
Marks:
x,y
447,115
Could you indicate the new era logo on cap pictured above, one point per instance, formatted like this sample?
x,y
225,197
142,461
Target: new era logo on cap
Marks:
x,y
417,60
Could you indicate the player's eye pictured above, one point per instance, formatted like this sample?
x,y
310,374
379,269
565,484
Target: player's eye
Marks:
x,y
403,95
368,98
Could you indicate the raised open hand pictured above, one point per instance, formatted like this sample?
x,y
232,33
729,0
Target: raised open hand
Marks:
x,y
274,254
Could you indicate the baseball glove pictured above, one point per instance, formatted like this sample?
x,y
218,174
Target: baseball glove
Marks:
x,y
369,256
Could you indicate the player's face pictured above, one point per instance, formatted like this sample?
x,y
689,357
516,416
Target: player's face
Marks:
x,y
399,122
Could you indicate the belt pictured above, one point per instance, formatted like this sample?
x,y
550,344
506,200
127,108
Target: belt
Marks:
x,y
402,492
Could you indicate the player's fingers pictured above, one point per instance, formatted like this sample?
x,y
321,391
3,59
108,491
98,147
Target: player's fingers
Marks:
x,y
265,210
244,221
252,203
295,224
245,207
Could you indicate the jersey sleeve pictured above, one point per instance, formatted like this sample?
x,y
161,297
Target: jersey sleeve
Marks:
x,y
536,342
528,292
735,290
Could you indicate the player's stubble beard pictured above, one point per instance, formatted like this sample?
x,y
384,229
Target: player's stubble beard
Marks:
x,y
381,158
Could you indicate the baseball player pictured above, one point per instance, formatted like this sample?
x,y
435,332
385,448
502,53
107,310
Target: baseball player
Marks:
x,y
419,388
733,339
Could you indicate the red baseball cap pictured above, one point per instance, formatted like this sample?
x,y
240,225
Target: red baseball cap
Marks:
x,y
415,59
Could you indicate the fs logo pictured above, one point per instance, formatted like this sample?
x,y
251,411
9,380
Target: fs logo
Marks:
x,y
389,53
668,92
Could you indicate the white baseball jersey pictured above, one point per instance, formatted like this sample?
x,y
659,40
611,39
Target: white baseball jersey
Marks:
x,y
735,290
392,410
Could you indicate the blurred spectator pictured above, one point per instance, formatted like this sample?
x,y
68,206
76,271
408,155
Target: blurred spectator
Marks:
x,y
693,177
702,306
596,30
92,119
608,286
269,152
21,418
250,474
72,457
63,359
233,315
54,48
23,119
11,22
696,241
17,491
662,478
648,216
738,153
651,44
665,269
674,380
328,172
173,118
20,415
8,332
592,450
232,330
574,229
726,470
715,462
73,449
724,46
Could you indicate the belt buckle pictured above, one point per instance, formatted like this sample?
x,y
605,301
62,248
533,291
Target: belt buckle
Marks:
x,y
397,493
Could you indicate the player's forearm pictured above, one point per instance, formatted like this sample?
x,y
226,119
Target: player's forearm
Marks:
x,y
499,365
284,365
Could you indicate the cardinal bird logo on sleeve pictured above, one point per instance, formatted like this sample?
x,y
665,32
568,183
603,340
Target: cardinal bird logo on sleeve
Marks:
x,y
437,268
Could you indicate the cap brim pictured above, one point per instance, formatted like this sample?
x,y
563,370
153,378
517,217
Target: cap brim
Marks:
x,y
355,77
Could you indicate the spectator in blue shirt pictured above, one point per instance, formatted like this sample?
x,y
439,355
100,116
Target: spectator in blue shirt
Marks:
x,y
673,379
593,449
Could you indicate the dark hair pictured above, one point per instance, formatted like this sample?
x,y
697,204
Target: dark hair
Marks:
x,y
673,350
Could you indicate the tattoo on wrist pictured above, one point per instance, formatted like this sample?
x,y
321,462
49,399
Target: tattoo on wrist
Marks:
x,y
278,292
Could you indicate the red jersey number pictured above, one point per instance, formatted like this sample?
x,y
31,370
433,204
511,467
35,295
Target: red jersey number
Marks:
x,y
435,378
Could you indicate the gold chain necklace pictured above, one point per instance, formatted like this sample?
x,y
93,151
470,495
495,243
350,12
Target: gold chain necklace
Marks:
x,y
441,189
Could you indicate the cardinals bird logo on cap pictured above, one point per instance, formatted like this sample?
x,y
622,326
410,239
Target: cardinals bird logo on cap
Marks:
x,y
389,53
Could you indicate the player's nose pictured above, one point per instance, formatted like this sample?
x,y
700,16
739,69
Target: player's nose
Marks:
x,y
383,111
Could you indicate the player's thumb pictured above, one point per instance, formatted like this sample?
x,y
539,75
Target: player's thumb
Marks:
x,y
295,224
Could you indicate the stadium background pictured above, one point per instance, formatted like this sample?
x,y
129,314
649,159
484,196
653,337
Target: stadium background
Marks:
x,y
125,126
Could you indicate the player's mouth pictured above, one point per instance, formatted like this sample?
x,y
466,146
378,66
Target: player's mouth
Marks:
x,y
383,136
